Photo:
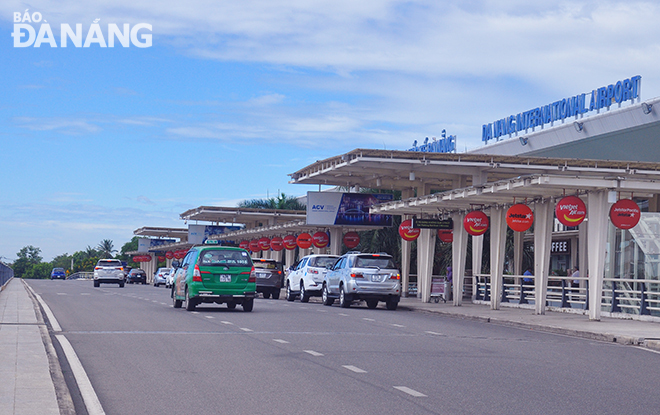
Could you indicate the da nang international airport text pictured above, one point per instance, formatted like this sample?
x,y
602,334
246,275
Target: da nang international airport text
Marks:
x,y
603,97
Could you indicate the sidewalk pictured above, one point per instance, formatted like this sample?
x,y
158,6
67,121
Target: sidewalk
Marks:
x,y
628,332
26,385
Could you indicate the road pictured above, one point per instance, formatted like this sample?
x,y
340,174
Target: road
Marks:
x,y
145,357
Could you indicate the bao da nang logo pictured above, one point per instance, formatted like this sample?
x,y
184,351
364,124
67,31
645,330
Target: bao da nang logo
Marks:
x,y
27,34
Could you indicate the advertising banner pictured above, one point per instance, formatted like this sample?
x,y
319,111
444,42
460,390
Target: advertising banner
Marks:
x,y
146,244
197,234
331,208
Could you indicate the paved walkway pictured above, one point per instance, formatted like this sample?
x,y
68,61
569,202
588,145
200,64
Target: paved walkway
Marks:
x,y
27,386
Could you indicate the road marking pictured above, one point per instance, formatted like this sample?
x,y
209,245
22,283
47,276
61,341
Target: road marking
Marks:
x,y
342,314
90,399
226,322
61,293
322,311
281,341
434,333
154,301
410,392
165,304
354,369
244,329
313,353
209,317
398,325
84,293
368,319
195,312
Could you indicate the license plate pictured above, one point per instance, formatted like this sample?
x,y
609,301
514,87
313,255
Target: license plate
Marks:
x,y
263,275
225,278
376,278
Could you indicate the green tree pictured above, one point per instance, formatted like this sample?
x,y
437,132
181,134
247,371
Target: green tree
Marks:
x,y
130,246
62,261
39,271
106,249
282,201
28,256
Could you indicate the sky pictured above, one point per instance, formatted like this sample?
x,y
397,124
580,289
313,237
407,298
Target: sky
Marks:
x,y
233,96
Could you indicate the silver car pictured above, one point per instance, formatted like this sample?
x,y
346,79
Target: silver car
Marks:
x,y
109,271
306,277
357,276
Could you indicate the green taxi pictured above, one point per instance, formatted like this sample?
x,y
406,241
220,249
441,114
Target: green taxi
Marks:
x,y
214,274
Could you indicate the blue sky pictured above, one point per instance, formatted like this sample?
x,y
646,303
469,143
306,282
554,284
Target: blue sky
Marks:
x,y
232,96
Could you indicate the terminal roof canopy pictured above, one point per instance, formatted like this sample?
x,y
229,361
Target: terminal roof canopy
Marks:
x,y
247,216
181,233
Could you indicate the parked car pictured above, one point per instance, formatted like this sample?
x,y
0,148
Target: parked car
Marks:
x,y
269,277
58,273
306,278
161,276
137,275
109,271
369,277
214,274
170,278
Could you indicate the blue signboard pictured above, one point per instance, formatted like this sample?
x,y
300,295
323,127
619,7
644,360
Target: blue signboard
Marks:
x,y
443,145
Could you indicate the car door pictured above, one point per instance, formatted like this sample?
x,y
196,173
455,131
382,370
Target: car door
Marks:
x,y
333,276
301,271
181,274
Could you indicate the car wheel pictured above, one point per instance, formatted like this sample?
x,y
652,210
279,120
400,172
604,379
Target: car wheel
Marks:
x,y
372,303
343,301
276,294
304,297
231,306
121,285
266,294
190,304
248,304
97,284
289,294
391,304
176,303
156,285
325,297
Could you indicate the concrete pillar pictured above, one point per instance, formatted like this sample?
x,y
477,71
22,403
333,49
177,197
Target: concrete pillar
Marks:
x,y
289,256
517,253
477,260
543,225
497,250
426,246
458,256
336,235
405,251
583,251
597,212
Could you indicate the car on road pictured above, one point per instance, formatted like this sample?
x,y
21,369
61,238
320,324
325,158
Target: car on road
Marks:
x,y
136,275
58,273
160,277
214,274
170,278
306,278
269,277
360,276
109,271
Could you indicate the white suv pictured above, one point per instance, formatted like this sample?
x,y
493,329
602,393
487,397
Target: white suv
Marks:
x,y
306,278
109,271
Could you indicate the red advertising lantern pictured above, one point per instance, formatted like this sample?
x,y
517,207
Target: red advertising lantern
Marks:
x,y
304,240
290,242
320,239
161,258
264,243
244,244
180,253
254,245
351,239
625,214
169,254
476,223
276,244
407,232
519,217
570,211
446,235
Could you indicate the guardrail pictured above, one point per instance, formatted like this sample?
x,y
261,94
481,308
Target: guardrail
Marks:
x,y
6,273
81,276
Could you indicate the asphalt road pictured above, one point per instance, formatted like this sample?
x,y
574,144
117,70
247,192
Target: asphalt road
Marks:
x,y
145,357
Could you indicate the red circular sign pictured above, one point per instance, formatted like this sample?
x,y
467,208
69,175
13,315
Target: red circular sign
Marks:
x,y
304,240
351,239
169,254
254,245
161,258
244,244
476,223
519,217
276,244
264,243
320,239
625,214
290,242
142,258
180,253
571,211
446,235
407,232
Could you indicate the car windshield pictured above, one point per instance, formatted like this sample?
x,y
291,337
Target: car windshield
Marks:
x,y
109,263
374,262
265,264
322,261
225,257
58,269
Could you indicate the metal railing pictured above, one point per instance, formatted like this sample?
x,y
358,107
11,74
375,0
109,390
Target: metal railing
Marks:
x,y
6,273
81,276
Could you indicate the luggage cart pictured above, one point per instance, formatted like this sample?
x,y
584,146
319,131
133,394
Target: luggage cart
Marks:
x,y
439,289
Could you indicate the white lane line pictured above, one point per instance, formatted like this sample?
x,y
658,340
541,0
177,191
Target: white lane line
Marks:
x,y
281,341
354,369
209,317
244,329
410,392
62,294
313,353
398,325
154,301
368,319
342,314
87,392
434,333
51,317
84,293
227,322
195,312
322,311
165,304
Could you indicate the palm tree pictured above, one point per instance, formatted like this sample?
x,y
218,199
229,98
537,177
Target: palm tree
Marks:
x,y
282,201
106,248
